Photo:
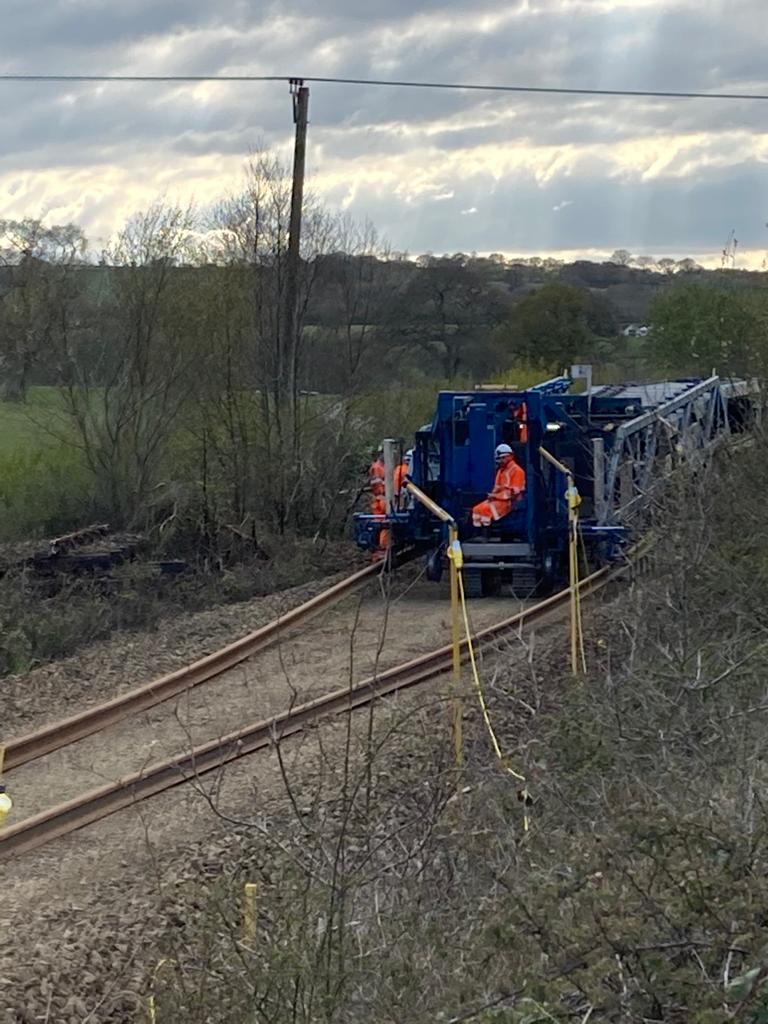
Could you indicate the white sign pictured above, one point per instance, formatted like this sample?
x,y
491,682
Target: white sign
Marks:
x,y
583,371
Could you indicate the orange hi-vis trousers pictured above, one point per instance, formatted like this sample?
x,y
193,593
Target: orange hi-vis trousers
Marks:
x,y
379,508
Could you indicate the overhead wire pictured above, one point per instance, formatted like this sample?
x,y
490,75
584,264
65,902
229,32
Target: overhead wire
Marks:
x,y
542,90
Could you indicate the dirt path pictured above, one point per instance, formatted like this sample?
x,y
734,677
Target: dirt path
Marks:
x,y
127,659
346,643
83,892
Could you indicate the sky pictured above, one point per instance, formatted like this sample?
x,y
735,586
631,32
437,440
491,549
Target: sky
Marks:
x,y
434,171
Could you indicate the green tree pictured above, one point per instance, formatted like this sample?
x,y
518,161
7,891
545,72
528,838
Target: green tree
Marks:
x,y
699,327
557,324
447,310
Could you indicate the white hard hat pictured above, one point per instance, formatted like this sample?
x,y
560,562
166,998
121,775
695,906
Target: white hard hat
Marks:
x,y
502,449
408,455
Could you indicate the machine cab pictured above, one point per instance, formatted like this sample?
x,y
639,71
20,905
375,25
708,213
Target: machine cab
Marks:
x,y
454,463
606,445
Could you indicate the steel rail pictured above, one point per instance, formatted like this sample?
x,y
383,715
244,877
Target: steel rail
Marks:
x,y
60,820
60,734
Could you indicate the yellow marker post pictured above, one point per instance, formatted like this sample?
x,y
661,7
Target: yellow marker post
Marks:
x,y
151,1008
250,895
573,499
455,563
455,559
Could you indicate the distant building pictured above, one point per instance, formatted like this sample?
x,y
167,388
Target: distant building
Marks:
x,y
636,330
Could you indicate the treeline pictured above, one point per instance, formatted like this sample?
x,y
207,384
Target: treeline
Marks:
x,y
363,305
174,385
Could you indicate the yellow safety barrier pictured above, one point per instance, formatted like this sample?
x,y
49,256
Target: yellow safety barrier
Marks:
x,y
574,500
456,560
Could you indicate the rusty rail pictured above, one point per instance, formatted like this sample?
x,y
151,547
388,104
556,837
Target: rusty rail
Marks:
x,y
82,536
69,730
99,803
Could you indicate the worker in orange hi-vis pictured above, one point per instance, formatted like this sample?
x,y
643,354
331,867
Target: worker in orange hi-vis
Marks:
x,y
376,491
379,508
508,487
379,504
401,472
376,479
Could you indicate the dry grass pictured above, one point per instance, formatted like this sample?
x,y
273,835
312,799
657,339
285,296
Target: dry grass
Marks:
x,y
639,892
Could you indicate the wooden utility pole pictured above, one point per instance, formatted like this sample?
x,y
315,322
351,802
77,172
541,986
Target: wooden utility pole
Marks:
x,y
291,340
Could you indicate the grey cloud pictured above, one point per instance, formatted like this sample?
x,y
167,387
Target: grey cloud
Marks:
x,y
667,46
541,49
32,28
356,14
663,214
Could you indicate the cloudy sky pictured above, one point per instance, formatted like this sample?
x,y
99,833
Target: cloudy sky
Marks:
x,y
435,171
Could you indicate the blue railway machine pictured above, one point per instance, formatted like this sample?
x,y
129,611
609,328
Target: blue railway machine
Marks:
x,y
618,442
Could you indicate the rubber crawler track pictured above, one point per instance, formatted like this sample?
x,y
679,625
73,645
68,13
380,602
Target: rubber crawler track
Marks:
x,y
69,730
99,803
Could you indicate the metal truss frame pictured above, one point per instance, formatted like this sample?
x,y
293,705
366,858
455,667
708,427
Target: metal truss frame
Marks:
x,y
647,447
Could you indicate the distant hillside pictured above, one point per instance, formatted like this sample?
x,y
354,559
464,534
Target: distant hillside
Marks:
x,y
372,320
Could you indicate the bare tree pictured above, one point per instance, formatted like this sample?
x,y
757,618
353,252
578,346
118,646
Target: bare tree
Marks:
x,y
283,451
126,376
622,257
38,290
251,239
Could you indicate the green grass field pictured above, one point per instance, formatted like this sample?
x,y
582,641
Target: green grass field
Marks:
x,y
25,426
44,486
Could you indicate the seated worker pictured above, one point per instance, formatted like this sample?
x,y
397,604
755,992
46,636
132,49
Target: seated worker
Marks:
x,y
508,487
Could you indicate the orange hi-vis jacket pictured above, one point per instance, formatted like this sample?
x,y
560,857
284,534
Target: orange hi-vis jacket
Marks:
x,y
507,488
376,478
379,507
509,482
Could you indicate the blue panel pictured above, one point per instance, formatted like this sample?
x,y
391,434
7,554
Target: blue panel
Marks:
x,y
482,436
455,447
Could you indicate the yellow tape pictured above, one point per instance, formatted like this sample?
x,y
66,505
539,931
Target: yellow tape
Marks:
x,y
484,707
455,553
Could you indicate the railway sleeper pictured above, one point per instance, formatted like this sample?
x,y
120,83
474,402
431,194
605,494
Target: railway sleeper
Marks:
x,y
486,579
